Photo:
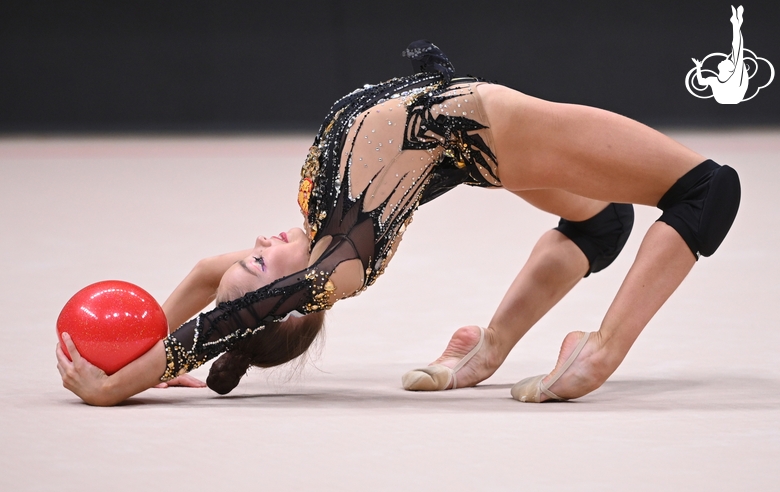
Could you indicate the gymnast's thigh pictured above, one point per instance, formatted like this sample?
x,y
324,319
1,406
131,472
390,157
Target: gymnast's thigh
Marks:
x,y
563,203
586,151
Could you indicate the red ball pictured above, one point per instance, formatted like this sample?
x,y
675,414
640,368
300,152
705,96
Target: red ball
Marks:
x,y
112,323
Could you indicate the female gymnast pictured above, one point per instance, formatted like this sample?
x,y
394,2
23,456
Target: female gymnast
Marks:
x,y
385,149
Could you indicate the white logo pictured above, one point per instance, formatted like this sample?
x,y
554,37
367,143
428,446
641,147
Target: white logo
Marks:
x,y
730,83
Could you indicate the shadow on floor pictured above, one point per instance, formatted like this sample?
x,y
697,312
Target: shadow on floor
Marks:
x,y
713,393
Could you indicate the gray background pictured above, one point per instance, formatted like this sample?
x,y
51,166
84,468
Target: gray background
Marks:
x,y
248,65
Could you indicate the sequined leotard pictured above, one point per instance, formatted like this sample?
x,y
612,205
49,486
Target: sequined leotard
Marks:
x,y
381,152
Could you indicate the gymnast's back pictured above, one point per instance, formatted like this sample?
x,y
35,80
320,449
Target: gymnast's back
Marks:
x,y
382,151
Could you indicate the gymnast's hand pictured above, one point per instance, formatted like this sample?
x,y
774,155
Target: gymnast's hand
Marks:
x,y
78,375
185,380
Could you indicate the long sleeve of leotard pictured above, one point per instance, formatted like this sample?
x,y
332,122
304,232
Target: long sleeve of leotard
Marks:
x,y
209,334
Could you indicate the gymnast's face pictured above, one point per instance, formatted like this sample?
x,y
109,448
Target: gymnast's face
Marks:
x,y
271,259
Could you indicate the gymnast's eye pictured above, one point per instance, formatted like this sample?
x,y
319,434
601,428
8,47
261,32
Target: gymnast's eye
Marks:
x,y
260,260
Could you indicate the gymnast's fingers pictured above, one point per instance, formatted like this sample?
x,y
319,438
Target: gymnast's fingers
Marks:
x,y
59,354
186,381
62,359
65,367
74,353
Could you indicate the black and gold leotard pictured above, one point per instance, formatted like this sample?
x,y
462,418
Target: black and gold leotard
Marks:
x,y
381,152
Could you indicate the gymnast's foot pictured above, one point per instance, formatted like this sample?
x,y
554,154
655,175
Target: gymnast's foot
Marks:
x,y
581,368
467,360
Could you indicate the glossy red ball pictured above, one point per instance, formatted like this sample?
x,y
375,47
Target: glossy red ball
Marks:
x,y
112,323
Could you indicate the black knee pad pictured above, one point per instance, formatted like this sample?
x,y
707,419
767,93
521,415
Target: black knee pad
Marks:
x,y
702,205
603,236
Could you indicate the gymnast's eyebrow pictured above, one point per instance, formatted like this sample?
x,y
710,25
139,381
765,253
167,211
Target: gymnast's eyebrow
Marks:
x,y
249,270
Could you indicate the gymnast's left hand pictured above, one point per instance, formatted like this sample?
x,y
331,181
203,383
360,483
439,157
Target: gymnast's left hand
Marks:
x,y
87,381
185,380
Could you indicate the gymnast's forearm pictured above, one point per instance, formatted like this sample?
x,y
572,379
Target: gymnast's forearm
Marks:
x,y
555,266
139,375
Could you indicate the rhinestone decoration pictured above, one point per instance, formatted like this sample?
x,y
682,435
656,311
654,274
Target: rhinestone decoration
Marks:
x,y
432,130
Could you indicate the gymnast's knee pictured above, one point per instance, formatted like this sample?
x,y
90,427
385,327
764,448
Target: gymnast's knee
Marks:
x,y
702,205
602,237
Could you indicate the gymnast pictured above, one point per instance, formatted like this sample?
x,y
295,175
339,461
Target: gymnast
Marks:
x,y
385,149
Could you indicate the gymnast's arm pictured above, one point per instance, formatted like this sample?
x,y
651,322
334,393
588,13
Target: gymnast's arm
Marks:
x,y
199,288
330,277
192,295
93,386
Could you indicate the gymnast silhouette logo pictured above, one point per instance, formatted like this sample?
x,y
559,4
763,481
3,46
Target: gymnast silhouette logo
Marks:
x,y
730,84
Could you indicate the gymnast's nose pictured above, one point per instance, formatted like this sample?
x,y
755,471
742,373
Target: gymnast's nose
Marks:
x,y
262,241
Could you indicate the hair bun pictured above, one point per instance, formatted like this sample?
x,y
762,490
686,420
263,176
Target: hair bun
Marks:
x,y
427,57
227,371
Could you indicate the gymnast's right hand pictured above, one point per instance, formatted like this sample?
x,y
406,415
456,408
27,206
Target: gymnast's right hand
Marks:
x,y
79,376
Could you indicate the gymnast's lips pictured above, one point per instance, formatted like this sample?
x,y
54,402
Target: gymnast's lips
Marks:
x,y
283,237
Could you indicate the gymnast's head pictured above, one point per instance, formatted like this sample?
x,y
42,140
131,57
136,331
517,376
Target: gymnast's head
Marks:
x,y
271,259
279,343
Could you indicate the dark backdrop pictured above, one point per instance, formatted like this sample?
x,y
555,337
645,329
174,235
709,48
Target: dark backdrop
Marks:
x,y
255,65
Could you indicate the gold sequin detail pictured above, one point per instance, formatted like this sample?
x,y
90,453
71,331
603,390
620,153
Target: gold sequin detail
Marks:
x,y
332,122
304,194
179,360
312,165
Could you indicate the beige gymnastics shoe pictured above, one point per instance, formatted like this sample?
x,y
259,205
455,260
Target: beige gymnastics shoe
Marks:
x,y
437,377
530,390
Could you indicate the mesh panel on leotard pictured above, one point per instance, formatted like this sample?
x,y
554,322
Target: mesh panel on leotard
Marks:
x,y
382,151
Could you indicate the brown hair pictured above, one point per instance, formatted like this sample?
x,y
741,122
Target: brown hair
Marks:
x,y
276,344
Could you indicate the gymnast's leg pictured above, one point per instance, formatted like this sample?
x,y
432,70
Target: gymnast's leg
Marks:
x,y
605,156
663,261
555,266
